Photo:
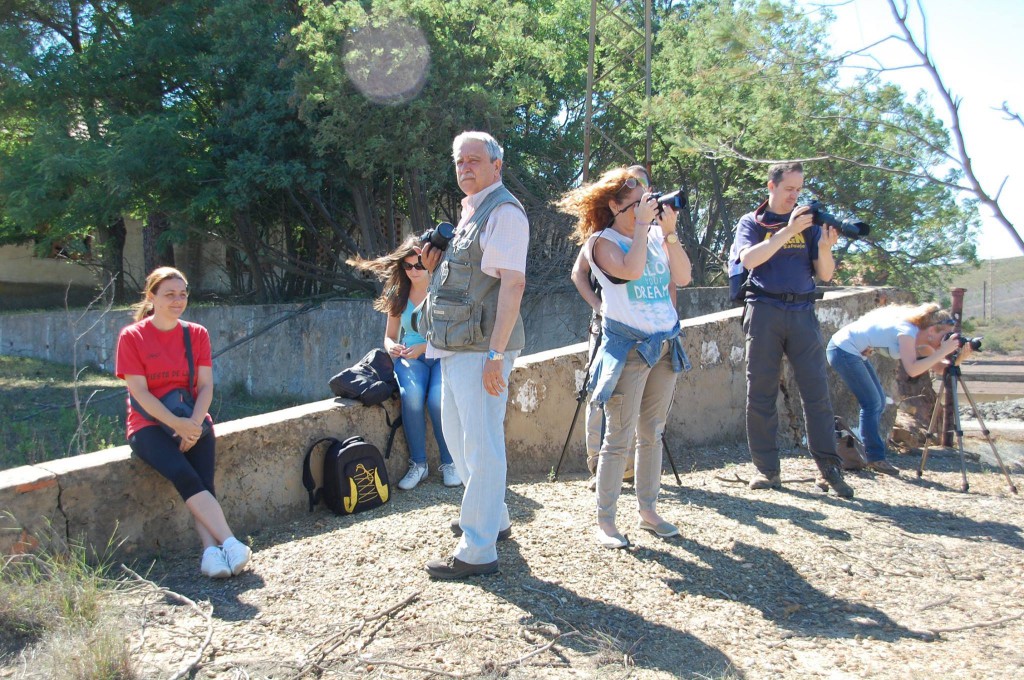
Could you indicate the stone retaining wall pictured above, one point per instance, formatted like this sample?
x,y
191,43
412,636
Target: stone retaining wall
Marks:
x,y
259,459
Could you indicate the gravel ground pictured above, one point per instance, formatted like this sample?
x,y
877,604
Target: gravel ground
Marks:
x,y
1011,409
911,579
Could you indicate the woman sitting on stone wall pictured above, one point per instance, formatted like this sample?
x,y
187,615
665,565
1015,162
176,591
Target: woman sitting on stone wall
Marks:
x,y
419,378
153,359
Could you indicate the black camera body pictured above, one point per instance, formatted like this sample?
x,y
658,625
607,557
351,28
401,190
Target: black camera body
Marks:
x,y
975,343
674,199
440,236
851,228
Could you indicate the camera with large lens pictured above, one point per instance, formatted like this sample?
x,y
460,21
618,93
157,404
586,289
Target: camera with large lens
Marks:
x,y
674,199
975,343
851,228
440,236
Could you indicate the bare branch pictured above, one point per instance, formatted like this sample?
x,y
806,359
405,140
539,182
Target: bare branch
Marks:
x,y
953,106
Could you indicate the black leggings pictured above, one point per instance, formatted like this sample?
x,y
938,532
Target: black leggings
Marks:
x,y
190,472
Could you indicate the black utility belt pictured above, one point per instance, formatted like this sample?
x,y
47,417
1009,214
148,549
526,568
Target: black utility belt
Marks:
x,y
816,294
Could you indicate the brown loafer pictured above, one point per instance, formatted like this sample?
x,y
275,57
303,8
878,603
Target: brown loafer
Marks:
x,y
884,466
453,568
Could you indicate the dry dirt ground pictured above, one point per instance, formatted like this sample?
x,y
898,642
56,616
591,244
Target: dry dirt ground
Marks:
x,y
911,579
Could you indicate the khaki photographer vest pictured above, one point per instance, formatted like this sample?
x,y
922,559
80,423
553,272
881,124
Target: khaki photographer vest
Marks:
x,y
462,302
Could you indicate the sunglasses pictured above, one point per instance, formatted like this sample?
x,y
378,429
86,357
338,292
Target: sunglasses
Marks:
x,y
634,182
419,265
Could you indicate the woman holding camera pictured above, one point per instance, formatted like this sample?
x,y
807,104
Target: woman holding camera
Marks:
x,y
153,359
405,281
636,257
901,332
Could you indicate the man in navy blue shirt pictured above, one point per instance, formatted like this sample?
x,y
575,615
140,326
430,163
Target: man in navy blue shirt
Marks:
x,y
784,252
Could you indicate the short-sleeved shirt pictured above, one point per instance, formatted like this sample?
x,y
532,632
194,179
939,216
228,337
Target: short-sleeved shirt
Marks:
x,y
791,269
876,333
143,349
505,241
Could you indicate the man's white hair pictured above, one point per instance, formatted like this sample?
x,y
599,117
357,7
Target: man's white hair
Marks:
x,y
494,150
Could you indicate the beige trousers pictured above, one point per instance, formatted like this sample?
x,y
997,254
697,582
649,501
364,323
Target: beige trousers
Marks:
x,y
639,404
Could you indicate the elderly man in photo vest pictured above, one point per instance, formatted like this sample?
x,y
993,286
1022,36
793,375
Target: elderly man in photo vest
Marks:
x,y
472,323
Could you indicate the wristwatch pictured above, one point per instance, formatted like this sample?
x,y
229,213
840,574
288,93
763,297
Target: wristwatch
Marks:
x,y
495,356
672,238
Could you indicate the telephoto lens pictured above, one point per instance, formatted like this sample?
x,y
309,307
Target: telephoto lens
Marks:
x,y
675,200
440,236
852,228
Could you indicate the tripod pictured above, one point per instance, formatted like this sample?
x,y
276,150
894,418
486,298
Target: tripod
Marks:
x,y
952,377
581,399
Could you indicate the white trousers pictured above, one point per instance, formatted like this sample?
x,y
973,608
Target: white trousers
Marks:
x,y
473,422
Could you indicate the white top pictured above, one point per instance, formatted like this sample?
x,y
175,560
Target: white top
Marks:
x,y
877,333
643,304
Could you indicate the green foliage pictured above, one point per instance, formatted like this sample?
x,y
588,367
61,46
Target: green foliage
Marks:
x,y
299,134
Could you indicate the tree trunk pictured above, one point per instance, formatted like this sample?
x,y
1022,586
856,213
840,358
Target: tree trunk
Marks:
x,y
111,239
156,252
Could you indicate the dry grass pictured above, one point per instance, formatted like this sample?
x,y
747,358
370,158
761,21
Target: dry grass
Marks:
x,y
56,620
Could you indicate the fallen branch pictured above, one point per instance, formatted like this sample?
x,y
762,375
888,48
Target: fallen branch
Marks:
x,y
331,643
185,670
971,626
736,479
471,674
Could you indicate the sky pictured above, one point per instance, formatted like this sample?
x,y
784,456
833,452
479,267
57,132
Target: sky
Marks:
x,y
978,48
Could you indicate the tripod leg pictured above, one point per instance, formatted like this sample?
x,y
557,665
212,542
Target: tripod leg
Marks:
x,y
988,438
931,428
670,460
957,428
580,400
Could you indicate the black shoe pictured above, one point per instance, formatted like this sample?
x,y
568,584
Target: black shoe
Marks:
x,y
833,476
503,535
454,568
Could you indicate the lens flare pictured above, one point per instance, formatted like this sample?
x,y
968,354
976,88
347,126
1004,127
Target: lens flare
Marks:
x,y
388,63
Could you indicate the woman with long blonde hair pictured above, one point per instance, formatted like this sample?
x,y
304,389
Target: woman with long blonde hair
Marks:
x,y
157,355
405,280
633,250
918,336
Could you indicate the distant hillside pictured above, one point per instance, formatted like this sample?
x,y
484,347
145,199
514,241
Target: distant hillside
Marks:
x,y
995,289
994,303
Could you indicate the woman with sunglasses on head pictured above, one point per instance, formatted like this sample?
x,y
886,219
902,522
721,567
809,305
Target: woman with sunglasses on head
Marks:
x,y
405,281
152,358
634,252
914,335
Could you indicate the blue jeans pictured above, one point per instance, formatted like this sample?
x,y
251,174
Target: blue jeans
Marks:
x,y
859,375
419,384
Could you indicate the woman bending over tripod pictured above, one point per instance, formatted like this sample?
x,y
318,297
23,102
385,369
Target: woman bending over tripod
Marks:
x,y
636,258
901,332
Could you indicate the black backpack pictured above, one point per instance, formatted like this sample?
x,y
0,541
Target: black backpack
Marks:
x,y
354,476
371,381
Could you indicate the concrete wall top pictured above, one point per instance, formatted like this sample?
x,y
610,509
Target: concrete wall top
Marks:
x,y
259,459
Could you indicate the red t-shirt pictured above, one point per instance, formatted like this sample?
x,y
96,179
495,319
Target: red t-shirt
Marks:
x,y
144,349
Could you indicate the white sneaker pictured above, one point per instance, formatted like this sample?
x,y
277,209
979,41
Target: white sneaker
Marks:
x,y
416,474
214,564
237,555
450,474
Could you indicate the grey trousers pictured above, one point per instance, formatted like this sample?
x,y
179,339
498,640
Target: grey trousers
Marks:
x,y
771,333
639,404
